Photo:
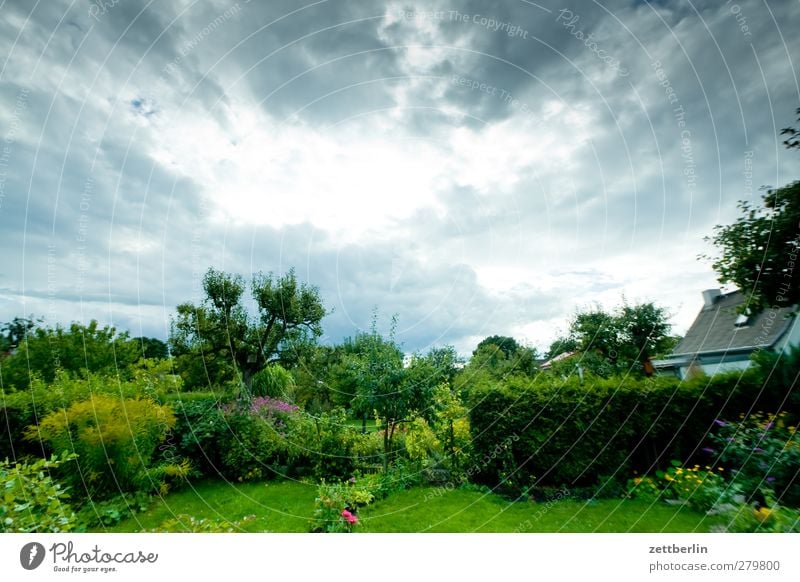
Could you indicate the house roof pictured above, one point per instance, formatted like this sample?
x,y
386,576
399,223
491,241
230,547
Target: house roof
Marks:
x,y
546,365
715,329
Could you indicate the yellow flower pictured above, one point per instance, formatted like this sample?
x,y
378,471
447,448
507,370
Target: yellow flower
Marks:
x,y
763,514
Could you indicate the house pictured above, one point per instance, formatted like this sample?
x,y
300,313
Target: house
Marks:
x,y
723,339
548,364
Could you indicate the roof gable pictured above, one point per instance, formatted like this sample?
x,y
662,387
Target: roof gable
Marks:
x,y
715,329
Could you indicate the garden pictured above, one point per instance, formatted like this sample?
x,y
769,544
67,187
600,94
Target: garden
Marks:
x,y
201,435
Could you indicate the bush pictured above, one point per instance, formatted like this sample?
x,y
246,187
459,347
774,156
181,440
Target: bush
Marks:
x,y
200,433
31,500
253,449
702,489
335,446
744,518
273,381
336,506
762,453
553,433
115,440
19,410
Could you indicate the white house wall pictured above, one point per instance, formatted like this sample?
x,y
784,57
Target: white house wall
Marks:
x,y
791,337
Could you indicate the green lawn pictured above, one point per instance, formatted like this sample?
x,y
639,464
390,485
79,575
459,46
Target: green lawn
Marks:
x,y
287,507
372,425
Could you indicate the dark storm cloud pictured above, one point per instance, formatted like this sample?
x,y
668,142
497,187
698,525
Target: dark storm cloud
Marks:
x,y
95,214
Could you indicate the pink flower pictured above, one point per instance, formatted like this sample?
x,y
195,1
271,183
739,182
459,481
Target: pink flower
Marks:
x,y
349,517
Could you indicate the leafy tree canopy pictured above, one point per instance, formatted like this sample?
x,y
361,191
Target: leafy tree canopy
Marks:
x,y
77,349
222,332
620,341
758,252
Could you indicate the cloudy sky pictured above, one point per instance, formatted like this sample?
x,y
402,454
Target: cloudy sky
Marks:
x,y
474,168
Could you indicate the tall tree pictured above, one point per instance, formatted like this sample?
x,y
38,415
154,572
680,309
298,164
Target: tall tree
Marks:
x,y
621,341
508,345
377,368
221,327
758,252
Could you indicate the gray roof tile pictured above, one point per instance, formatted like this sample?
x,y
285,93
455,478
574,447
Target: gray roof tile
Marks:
x,y
715,328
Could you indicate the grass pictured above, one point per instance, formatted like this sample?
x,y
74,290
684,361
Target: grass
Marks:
x,y
429,510
278,506
288,507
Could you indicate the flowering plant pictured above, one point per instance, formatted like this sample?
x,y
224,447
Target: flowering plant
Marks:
x,y
702,489
763,454
336,506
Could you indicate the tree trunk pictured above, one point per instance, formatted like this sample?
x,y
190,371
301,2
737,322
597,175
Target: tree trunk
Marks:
x,y
247,383
453,445
364,424
386,443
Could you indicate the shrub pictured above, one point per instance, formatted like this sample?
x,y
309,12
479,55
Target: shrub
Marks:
x,y
336,506
762,452
200,433
702,489
273,381
564,433
19,410
744,518
253,449
31,500
115,440
334,450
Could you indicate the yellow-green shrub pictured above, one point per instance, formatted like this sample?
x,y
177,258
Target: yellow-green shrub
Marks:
x,y
115,439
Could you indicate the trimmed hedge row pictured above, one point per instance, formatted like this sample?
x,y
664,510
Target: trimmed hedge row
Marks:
x,y
560,433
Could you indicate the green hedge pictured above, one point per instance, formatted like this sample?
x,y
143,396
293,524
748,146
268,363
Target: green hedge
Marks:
x,y
550,432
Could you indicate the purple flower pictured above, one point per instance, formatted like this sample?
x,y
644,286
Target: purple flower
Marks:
x,y
266,406
770,479
758,450
708,450
719,422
